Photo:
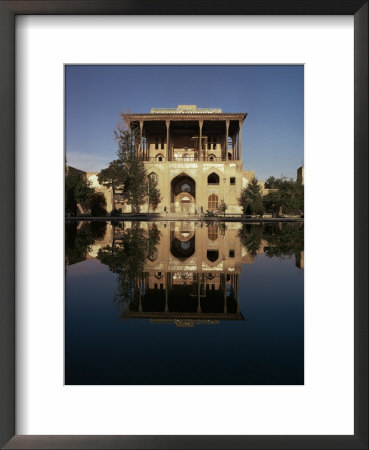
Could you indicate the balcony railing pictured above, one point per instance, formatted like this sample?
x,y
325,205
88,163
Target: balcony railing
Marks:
x,y
185,159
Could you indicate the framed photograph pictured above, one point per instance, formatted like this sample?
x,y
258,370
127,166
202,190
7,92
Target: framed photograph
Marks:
x,y
185,227
177,234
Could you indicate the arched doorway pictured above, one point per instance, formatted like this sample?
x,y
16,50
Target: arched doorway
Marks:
x,y
182,248
183,194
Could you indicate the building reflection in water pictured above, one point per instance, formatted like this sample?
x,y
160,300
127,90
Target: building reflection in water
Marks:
x,y
185,273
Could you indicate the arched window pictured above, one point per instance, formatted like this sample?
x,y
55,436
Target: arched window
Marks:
x,y
212,255
159,157
213,178
211,157
212,202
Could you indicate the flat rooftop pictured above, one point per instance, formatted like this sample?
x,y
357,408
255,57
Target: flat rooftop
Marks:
x,y
186,109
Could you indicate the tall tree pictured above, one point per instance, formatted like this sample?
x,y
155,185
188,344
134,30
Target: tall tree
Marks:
x,y
112,176
134,176
223,207
270,183
153,192
128,173
77,190
286,194
251,199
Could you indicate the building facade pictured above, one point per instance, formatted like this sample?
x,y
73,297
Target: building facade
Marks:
x,y
195,156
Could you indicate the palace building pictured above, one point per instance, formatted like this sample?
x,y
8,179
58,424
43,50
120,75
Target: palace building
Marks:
x,y
195,155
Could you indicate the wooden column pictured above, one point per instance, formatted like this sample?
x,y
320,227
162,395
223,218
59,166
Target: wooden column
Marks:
x,y
226,142
140,144
168,126
239,140
224,280
166,292
146,146
200,141
235,146
238,293
139,301
198,293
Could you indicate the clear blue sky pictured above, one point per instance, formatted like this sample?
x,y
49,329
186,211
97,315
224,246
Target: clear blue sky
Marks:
x,y
273,97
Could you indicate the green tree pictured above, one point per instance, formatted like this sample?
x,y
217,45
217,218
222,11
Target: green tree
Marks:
x,y
153,192
270,183
98,204
223,207
134,176
77,190
287,195
251,199
127,173
112,176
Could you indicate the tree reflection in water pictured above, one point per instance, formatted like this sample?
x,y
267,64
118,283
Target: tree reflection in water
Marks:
x,y
127,256
251,237
198,265
232,286
273,239
283,241
79,236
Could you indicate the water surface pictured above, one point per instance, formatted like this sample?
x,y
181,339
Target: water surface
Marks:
x,y
184,303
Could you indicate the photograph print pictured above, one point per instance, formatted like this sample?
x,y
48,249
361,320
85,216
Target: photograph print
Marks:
x,y
184,225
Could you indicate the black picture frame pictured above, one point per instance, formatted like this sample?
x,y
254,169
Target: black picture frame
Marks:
x,y
8,11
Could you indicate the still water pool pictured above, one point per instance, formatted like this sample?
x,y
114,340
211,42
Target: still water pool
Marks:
x,y
184,303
